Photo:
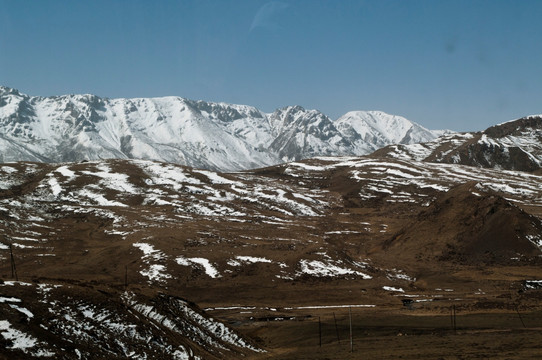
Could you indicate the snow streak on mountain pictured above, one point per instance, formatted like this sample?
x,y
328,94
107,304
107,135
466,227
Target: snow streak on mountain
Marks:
x,y
514,145
200,134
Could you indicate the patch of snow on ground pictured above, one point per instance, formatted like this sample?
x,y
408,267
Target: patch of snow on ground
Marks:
x,y
217,179
55,186
252,259
113,180
391,288
217,329
401,173
169,175
395,274
64,171
181,354
308,167
23,310
99,198
205,333
330,307
535,239
21,246
303,197
8,169
230,262
155,272
12,283
205,263
533,284
341,232
21,340
11,299
147,249
320,268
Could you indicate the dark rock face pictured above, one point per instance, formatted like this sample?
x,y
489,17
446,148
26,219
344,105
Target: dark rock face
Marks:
x,y
516,127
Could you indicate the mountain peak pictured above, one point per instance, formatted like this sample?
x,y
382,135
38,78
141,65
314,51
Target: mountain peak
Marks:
x,y
202,134
360,113
513,145
515,127
295,108
378,128
4,90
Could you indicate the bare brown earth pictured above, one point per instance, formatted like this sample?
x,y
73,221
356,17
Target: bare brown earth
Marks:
x,y
451,244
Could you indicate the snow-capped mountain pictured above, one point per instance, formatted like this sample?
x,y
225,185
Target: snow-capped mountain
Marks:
x,y
514,145
195,133
371,130
302,134
170,129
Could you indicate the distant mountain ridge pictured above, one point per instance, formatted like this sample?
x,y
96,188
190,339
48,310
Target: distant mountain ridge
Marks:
x,y
200,134
513,145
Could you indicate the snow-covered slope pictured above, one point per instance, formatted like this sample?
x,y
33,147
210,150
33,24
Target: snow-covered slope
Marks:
x,y
302,134
514,145
110,254
371,130
195,133
170,129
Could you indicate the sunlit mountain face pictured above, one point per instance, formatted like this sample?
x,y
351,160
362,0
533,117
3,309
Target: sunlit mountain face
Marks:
x,y
199,134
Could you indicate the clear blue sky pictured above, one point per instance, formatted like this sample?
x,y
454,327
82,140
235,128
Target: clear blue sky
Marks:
x,y
462,65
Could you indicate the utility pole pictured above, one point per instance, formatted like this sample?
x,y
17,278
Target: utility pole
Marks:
x,y
336,329
454,324
452,318
351,340
13,268
520,318
320,331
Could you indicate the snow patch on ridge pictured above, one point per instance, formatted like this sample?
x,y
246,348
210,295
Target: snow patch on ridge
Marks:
x,y
155,272
327,269
201,262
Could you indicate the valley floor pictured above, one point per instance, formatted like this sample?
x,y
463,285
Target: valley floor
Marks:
x,y
393,336
502,324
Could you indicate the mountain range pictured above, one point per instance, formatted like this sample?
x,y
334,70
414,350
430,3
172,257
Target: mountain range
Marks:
x,y
199,134
124,257
514,145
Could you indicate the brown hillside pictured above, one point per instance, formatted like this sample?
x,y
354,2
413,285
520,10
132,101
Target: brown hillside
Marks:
x,y
468,226
531,123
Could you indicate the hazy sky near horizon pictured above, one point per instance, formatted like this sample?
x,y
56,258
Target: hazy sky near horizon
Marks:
x,y
461,65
